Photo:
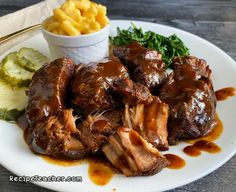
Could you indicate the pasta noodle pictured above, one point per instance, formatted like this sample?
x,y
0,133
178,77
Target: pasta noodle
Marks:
x,y
76,17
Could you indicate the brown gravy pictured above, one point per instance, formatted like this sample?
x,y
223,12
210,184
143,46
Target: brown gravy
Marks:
x,y
99,171
63,162
206,143
176,162
201,145
224,93
192,151
207,146
214,134
216,131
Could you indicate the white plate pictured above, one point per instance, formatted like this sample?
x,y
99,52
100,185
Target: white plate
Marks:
x,y
16,156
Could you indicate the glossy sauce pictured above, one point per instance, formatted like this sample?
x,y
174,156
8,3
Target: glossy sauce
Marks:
x,y
92,82
99,171
201,145
135,138
103,72
47,93
206,143
176,162
192,151
63,162
153,125
207,146
216,132
148,66
225,93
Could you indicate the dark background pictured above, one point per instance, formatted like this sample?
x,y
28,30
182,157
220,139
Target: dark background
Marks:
x,y
214,20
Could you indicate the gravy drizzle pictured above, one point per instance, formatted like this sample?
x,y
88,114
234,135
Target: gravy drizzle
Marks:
x,y
99,171
206,143
201,145
176,162
214,134
225,93
63,162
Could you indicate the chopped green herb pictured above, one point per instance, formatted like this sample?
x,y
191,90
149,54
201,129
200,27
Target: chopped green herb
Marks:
x,y
169,47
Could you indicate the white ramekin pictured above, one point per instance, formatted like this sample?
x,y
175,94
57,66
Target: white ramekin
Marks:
x,y
82,49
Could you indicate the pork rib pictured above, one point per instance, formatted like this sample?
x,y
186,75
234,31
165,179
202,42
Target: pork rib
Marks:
x,y
133,155
150,120
91,83
52,129
132,93
95,129
190,96
101,85
145,65
48,90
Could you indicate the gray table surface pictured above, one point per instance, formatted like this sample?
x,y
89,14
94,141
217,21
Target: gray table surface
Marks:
x,y
214,20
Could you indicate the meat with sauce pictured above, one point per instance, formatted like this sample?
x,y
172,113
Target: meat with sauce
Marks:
x,y
191,99
131,93
132,154
49,89
97,86
91,83
132,149
57,136
52,130
145,65
196,65
150,121
119,116
95,129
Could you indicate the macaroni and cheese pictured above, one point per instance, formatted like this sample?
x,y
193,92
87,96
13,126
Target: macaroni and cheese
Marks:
x,y
77,17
